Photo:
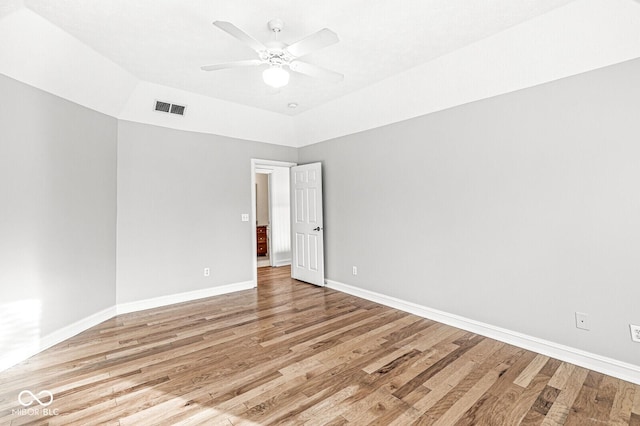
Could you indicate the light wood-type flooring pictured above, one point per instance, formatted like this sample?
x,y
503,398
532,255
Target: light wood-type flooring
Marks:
x,y
292,353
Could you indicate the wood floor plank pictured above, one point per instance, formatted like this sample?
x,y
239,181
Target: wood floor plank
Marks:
x,y
560,409
462,404
622,404
530,372
436,393
483,372
538,394
635,409
561,377
437,367
289,353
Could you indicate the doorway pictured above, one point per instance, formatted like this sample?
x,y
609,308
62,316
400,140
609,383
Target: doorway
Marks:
x,y
271,223
263,218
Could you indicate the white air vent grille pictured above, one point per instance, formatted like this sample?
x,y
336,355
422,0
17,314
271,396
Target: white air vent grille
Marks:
x,y
177,109
162,106
170,108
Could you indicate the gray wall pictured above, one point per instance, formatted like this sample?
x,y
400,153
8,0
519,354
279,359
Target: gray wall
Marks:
x,y
516,211
180,199
57,208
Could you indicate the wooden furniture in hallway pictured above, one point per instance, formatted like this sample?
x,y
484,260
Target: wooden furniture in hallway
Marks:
x,y
291,353
261,238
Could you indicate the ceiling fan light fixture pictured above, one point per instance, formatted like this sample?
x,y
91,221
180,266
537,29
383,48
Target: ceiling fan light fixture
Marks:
x,y
275,76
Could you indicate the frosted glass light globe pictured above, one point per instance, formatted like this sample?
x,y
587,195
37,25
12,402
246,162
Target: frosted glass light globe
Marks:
x,y
275,76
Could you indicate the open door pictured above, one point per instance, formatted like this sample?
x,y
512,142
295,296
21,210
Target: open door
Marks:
x,y
280,217
307,242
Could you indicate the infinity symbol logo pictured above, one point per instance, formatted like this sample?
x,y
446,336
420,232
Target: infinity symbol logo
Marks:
x,y
35,398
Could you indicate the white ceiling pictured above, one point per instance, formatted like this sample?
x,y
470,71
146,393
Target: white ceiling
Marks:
x,y
166,41
400,59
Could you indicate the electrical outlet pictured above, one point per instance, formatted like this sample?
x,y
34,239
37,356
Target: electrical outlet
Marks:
x,y
582,321
355,270
207,272
244,217
635,332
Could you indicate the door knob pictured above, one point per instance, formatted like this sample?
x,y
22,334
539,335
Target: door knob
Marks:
x,y
317,229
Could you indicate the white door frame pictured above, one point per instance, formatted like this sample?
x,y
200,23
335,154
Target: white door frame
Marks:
x,y
269,203
257,163
269,173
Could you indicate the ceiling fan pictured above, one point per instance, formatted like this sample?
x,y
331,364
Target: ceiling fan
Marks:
x,y
279,55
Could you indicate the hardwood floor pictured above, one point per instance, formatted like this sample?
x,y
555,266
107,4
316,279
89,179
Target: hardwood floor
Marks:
x,y
292,353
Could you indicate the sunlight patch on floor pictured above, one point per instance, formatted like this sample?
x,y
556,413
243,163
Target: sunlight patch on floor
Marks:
x,y
19,330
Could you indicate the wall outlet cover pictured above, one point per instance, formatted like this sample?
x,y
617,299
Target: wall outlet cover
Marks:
x,y
582,321
635,332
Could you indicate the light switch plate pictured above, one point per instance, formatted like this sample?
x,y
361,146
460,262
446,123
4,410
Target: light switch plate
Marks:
x,y
245,217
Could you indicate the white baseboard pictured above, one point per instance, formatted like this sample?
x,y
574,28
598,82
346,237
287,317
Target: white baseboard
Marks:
x,y
156,302
15,357
282,262
12,358
601,364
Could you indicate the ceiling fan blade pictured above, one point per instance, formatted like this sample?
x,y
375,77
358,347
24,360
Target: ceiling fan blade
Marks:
x,y
316,41
316,71
236,32
236,64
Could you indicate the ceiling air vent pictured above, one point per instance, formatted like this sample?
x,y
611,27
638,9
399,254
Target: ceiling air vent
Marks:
x,y
177,109
170,108
162,106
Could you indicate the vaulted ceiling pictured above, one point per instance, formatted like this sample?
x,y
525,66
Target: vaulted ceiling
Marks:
x,y
399,59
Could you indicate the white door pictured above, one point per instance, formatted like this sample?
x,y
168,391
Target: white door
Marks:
x,y
307,242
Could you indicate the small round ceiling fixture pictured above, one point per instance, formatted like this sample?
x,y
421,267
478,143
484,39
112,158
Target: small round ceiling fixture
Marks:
x,y
292,105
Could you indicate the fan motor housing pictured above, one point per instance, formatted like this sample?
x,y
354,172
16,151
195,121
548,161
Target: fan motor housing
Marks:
x,y
276,25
